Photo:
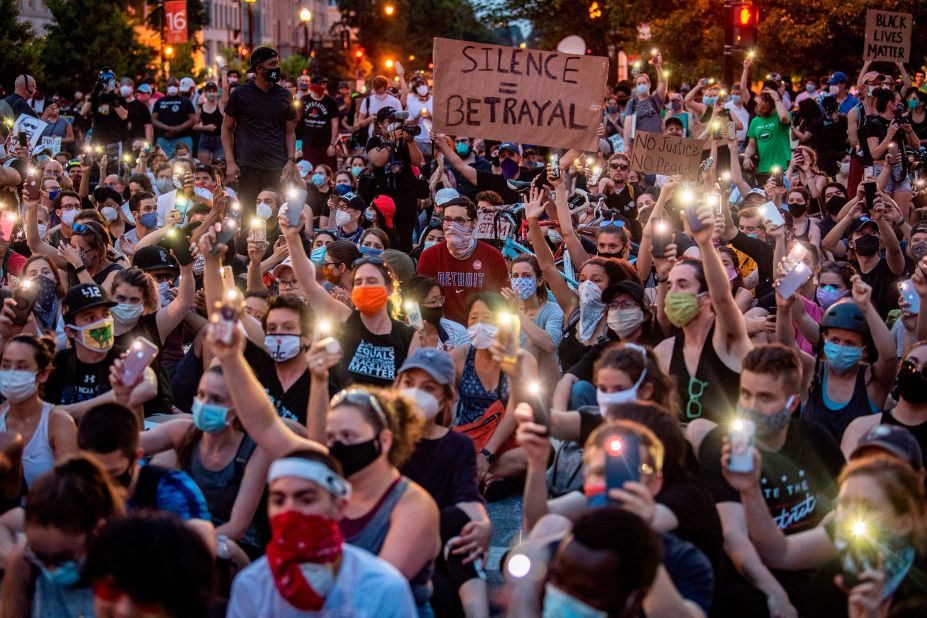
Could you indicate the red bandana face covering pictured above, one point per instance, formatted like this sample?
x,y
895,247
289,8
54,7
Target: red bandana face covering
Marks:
x,y
300,540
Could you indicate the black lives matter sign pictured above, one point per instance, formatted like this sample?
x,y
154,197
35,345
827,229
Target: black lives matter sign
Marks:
x,y
888,36
519,95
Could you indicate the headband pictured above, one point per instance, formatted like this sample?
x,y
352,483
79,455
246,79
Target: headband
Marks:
x,y
311,471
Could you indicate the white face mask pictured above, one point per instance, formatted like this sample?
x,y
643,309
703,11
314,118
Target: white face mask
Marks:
x,y
321,577
17,385
845,167
43,230
67,216
554,235
427,403
109,213
127,313
282,347
834,89
422,90
482,335
172,91
125,91
618,397
642,89
264,211
625,321
342,218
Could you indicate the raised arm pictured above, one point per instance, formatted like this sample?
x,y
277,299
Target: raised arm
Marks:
x,y
170,317
565,220
564,296
450,156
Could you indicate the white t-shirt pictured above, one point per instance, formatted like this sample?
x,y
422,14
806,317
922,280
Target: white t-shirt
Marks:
x,y
131,236
414,106
742,115
376,104
166,204
366,587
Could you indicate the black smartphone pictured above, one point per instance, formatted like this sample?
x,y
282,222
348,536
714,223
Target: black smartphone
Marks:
x,y
622,461
662,237
229,227
870,189
23,139
25,295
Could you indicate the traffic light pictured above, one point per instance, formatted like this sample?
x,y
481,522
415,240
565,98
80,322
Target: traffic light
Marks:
x,y
358,56
745,17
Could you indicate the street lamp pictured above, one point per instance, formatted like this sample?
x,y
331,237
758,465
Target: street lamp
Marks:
x,y
389,9
250,3
305,16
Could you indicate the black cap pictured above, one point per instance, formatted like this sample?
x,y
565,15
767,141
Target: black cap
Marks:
x,y
673,120
384,112
154,257
260,55
101,194
319,79
895,439
353,200
82,297
632,289
862,222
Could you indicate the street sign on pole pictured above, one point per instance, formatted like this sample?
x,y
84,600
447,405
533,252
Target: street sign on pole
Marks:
x,y
175,17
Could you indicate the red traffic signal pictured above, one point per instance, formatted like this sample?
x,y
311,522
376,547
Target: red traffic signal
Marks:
x,y
359,54
745,16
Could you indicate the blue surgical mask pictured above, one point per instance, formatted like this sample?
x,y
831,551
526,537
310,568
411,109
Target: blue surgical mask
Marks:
x,y
149,220
209,417
842,357
318,179
163,185
709,100
642,89
429,244
356,170
317,256
828,295
341,188
735,98
370,251
66,575
558,604
53,194
370,214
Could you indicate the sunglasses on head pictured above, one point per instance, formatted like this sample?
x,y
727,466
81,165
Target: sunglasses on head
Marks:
x,y
80,228
375,260
359,397
612,222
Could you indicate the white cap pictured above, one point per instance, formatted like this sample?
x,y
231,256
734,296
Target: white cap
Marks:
x,y
304,168
443,196
287,263
187,83
204,193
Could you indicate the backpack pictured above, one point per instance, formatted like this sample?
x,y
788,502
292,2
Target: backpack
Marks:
x,y
565,473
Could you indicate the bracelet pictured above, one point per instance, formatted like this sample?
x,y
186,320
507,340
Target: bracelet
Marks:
x,y
80,269
488,454
293,159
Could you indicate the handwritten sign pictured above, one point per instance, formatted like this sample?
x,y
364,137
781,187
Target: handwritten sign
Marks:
x,y
486,226
53,144
520,95
888,36
655,153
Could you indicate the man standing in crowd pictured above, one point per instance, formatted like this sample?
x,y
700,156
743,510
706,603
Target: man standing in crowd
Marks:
x,y
23,88
173,116
259,131
318,113
109,111
643,110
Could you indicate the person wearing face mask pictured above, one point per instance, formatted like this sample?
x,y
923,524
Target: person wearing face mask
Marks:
x,y
109,433
321,196
223,461
418,101
209,125
611,117
108,109
798,201
462,264
853,376
373,242
173,117
58,126
319,115
335,269
87,257
48,432
309,499
259,131
139,115
866,236
347,217
680,564
107,202
643,110
916,102
439,332
80,378
800,463
65,205
378,99
144,209
541,321
833,200
910,391
44,576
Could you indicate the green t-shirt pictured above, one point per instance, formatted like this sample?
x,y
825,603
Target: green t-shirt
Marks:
x,y
772,141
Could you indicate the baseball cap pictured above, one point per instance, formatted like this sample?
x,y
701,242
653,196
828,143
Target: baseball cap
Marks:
x,y
353,200
154,257
919,228
144,88
261,54
862,222
384,112
436,363
674,120
895,439
443,196
287,263
838,77
319,79
756,191
82,297
304,167
187,83
632,289
387,208
510,146
401,264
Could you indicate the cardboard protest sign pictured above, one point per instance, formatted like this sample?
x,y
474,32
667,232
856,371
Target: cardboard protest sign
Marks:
x,y
486,226
52,143
888,36
33,128
519,95
655,153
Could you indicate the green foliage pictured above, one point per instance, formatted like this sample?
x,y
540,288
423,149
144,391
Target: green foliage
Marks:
x,y
197,19
85,37
17,47
410,30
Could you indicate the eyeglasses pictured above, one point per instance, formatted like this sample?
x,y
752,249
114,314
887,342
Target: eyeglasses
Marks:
x,y
359,397
612,222
460,220
696,390
619,166
625,304
434,303
286,284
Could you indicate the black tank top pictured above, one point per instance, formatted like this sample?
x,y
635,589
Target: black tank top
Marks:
x,y
370,358
213,118
918,431
835,421
713,391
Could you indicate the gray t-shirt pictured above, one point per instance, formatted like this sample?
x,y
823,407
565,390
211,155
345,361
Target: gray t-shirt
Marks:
x,y
647,112
260,125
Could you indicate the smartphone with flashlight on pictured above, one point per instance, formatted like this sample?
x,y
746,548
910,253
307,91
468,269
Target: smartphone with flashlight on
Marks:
x,y
141,353
25,295
770,212
909,295
414,313
662,237
296,201
741,438
554,172
229,227
858,551
622,461
796,273
507,334
259,230
225,320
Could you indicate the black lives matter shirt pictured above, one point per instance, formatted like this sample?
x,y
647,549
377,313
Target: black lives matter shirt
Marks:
x,y
317,120
260,125
370,358
798,481
73,380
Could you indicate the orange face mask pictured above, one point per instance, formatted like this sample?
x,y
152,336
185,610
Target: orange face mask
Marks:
x,y
369,299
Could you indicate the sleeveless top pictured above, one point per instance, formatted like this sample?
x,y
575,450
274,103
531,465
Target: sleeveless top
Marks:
x,y
369,532
220,487
806,234
834,417
918,431
714,389
474,399
38,457
370,358
56,129
213,117
98,278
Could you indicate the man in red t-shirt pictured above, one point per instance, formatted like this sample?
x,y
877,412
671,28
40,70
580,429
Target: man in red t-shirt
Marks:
x,y
461,264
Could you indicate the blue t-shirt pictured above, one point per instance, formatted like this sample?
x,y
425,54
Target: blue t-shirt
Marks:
x,y
176,493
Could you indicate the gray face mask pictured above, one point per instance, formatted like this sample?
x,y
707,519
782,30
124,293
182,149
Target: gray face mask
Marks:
x,y
768,425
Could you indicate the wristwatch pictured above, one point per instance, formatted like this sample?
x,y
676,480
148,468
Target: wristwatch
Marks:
x,y
293,159
80,269
488,454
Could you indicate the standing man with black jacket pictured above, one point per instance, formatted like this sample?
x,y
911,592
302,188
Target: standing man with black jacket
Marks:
x,y
259,131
